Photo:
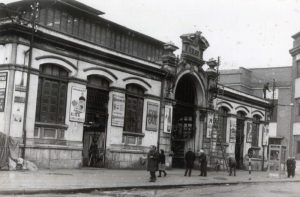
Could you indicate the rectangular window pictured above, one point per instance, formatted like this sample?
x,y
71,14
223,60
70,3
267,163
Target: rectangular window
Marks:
x,y
50,18
87,29
298,68
298,147
56,24
42,17
134,114
93,32
75,26
98,34
81,28
118,42
64,17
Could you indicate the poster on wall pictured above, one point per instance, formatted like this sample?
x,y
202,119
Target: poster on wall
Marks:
x,y
265,130
152,116
232,136
168,119
118,110
3,79
249,132
210,122
78,101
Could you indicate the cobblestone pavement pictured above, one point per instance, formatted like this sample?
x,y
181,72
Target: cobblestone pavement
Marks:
x,y
67,180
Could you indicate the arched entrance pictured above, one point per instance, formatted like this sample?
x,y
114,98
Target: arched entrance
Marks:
x,y
183,119
94,132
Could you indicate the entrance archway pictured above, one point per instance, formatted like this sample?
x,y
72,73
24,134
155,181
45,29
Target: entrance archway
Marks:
x,y
183,119
94,132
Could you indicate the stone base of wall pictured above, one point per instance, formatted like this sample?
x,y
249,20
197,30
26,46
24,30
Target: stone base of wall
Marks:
x,y
125,156
54,157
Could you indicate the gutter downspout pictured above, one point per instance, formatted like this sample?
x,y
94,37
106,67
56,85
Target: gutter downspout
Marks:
x,y
34,12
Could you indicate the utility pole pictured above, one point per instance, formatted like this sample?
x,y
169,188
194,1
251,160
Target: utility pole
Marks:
x,y
34,16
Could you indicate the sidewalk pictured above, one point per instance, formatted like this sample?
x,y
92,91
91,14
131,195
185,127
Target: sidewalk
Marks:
x,y
89,179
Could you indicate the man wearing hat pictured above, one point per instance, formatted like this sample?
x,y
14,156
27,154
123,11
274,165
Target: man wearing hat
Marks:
x,y
203,163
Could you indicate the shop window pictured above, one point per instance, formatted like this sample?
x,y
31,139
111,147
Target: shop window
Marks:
x,y
134,109
52,94
255,130
223,115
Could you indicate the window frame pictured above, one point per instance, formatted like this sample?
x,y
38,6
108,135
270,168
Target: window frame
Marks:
x,y
137,128
255,130
60,80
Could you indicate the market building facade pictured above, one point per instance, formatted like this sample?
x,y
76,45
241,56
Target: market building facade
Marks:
x,y
71,79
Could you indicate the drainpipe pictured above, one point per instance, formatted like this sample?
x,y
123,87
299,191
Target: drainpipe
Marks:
x,y
33,22
160,108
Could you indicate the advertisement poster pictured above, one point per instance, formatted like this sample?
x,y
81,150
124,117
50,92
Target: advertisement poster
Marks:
x,y
210,122
78,102
265,135
168,119
152,116
249,132
118,110
3,79
232,136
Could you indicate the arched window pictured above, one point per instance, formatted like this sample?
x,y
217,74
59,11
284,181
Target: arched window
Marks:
x,y
223,114
134,108
255,130
52,94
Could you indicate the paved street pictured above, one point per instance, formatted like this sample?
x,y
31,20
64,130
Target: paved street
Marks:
x,y
240,190
88,180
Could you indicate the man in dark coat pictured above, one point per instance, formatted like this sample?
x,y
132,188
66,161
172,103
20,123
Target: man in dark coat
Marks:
x,y
203,163
189,161
289,166
152,163
293,166
232,166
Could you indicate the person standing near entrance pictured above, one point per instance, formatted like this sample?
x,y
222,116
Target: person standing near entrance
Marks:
x,y
189,161
203,163
162,163
152,163
93,152
232,166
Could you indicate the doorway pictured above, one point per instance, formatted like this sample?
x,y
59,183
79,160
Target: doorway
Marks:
x,y
239,144
94,132
183,120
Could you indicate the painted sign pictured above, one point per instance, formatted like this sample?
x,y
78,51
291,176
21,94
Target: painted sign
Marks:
x,y
232,136
3,79
78,101
210,122
152,116
118,110
249,132
168,119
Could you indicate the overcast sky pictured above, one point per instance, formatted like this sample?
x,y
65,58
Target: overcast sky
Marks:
x,y
244,33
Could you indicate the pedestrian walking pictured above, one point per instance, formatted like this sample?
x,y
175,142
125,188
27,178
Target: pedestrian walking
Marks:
x,y
289,166
189,162
293,166
232,166
162,163
203,163
152,163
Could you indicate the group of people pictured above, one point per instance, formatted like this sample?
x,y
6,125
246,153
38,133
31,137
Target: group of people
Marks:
x,y
190,158
156,161
291,167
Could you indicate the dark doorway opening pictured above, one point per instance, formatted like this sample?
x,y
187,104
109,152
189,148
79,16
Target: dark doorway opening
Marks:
x,y
239,144
94,132
183,119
